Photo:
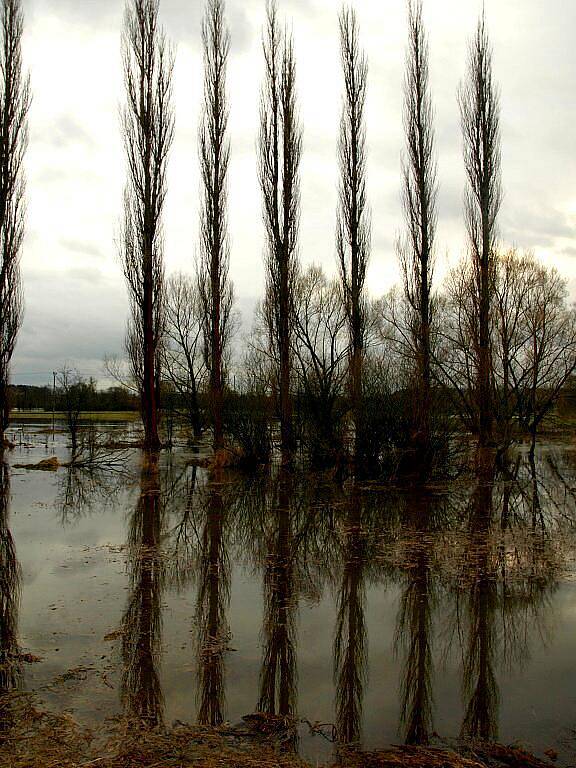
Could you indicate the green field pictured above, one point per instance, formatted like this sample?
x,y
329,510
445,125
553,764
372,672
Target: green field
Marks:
x,y
103,416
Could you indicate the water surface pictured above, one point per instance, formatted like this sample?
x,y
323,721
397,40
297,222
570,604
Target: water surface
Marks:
x,y
166,592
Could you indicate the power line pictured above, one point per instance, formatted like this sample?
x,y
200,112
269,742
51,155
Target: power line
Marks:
x,y
49,373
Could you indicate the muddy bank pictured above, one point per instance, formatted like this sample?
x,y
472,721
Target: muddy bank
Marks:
x,y
32,738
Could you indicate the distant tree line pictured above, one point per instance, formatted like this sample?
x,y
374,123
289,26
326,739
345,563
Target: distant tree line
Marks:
x,y
26,397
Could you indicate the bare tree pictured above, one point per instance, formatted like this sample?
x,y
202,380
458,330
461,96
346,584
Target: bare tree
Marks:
x,y
74,396
353,222
183,358
538,339
456,355
533,347
148,127
321,353
280,147
480,117
419,199
215,286
14,105
513,285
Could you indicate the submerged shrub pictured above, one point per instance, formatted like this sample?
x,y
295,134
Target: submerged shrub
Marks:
x,y
248,427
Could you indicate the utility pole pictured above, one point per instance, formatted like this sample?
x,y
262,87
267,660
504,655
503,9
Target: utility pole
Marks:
x,y
53,403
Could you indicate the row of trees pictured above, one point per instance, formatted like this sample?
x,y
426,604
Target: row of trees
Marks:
x,y
499,338
148,127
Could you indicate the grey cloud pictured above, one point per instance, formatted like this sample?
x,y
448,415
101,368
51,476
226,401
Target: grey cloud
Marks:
x,y
181,18
51,175
528,227
81,248
384,245
69,317
86,275
77,11
183,21
63,132
450,201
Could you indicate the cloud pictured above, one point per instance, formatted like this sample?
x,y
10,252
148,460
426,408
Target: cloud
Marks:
x,y
536,226
74,11
76,317
66,131
81,248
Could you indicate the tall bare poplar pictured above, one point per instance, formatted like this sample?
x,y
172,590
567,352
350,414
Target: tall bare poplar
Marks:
x,y
215,287
353,221
419,200
14,106
148,127
280,147
480,117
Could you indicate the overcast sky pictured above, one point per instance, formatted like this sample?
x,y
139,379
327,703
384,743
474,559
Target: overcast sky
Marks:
x,y
76,303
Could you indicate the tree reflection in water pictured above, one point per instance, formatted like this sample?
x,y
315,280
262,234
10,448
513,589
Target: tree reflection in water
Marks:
x,y
213,601
10,588
475,563
509,570
419,600
350,636
142,621
479,676
278,673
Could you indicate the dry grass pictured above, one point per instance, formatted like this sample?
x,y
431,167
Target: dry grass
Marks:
x,y
30,738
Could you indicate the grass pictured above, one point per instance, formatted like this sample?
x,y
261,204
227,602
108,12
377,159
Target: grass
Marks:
x,y
31,738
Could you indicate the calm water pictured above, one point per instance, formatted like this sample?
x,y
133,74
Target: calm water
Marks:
x,y
170,593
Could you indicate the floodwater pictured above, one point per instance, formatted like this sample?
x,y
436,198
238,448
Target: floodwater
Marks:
x,y
374,615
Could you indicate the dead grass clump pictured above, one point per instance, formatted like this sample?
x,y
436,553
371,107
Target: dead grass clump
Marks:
x,y
409,757
473,755
30,738
185,746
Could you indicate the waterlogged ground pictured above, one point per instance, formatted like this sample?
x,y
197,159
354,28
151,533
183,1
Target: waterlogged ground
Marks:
x,y
167,592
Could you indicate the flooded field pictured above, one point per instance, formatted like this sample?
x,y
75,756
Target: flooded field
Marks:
x,y
374,615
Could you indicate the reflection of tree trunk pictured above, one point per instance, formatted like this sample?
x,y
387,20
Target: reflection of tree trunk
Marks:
x,y
537,517
277,678
350,640
213,597
415,631
142,621
480,684
10,582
